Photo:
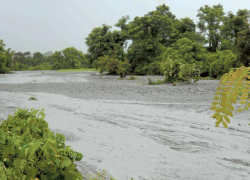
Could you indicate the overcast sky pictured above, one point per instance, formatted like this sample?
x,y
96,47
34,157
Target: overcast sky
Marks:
x,y
52,25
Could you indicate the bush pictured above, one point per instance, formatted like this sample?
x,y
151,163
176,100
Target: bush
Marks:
x,y
42,66
223,61
149,69
158,82
33,98
177,70
29,150
132,78
113,66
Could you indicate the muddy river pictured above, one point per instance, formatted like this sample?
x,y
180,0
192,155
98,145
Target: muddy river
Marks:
x,y
134,130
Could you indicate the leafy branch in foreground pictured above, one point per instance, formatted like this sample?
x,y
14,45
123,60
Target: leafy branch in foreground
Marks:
x,y
233,89
29,150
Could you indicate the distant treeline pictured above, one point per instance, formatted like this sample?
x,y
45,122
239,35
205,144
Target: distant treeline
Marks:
x,y
18,61
159,43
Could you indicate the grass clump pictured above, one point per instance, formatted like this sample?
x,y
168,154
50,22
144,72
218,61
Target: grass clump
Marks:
x,y
132,78
33,98
120,78
207,78
29,150
158,82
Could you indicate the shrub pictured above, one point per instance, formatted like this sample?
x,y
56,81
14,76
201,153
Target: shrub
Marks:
x,y
132,78
177,70
158,82
42,66
33,98
113,66
223,61
29,150
149,69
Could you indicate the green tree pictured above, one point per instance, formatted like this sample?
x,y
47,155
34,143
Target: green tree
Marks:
x,y
186,25
69,58
177,70
37,59
221,62
243,47
9,63
233,24
123,25
22,61
210,21
183,61
190,51
3,58
149,34
102,41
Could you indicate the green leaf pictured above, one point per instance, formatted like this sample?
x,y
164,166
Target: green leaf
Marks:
x,y
224,124
79,156
66,162
34,147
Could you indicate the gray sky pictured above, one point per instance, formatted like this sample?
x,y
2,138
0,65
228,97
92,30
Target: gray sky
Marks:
x,y
52,25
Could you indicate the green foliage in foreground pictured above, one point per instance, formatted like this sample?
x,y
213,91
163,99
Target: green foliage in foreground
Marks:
x,y
75,70
29,150
234,89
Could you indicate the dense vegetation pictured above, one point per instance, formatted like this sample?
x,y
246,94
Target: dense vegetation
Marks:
x,y
69,58
156,43
29,150
177,48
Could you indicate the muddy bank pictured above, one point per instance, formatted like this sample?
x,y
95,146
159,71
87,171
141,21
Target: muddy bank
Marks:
x,y
88,85
135,130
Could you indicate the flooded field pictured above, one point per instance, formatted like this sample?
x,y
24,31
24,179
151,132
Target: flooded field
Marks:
x,y
134,130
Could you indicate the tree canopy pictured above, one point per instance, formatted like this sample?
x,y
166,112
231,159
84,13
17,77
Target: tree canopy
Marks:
x,y
153,42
